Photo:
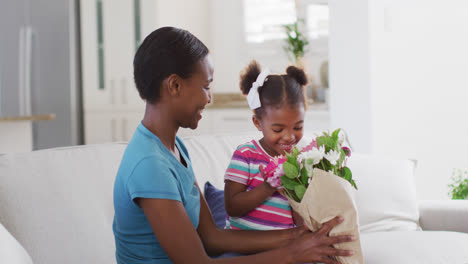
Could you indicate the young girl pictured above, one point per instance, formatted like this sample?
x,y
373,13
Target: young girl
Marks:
x,y
278,103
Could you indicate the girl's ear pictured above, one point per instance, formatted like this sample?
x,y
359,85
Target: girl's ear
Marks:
x,y
257,122
173,85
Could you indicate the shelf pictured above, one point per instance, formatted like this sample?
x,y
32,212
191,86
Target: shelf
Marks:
x,y
27,118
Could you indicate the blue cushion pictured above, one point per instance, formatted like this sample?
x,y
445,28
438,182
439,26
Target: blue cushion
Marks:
x,y
215,199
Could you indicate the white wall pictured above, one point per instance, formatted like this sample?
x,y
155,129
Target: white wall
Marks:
x,y
221,31
416,90
193,16
227,47
349,71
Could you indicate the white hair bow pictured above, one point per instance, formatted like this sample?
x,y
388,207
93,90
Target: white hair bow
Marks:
x,y
253,98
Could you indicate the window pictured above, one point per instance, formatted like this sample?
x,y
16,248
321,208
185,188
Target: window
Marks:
x,y
264,19
265,35
317,21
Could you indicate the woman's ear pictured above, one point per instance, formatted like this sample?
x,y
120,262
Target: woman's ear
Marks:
x,y
174,85
257,122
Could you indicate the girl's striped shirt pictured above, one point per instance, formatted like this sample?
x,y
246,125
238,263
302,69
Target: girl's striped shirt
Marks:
x,y
275,211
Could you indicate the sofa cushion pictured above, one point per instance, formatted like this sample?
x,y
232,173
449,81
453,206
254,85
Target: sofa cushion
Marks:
x,y
58,202
415,247
215,199
386,198
211,154
11,251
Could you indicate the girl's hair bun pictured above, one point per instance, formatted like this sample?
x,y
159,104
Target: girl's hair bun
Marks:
x,y
248,76
297,74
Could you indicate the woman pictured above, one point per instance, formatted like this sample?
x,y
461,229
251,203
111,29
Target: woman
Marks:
x,y
160,214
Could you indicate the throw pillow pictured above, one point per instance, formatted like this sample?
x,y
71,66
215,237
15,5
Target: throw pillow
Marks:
x,y
386,195
215,199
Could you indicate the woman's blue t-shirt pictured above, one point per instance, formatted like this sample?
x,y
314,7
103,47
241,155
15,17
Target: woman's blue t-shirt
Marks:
x,y
149,170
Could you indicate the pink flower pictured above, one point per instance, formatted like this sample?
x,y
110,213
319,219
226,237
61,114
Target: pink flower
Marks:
x,y
309,147
272,166
274,181
274,170
347,151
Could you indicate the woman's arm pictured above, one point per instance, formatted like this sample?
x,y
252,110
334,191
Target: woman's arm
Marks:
x,y
297,245
239,202
179,239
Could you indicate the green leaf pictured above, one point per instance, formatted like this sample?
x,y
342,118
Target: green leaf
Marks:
x,y
295,152
342,158
292,160
325,141
354,184
304,176
288,183
347,175
335,134
334,140
300,190
290,170
325,165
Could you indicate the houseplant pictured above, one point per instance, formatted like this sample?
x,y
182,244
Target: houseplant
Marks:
x,y
296,47
459,185
296,44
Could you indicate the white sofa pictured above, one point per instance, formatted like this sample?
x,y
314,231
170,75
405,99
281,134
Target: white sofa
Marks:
x,y
57,203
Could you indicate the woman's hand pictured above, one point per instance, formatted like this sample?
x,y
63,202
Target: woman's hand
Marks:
x,y
318,246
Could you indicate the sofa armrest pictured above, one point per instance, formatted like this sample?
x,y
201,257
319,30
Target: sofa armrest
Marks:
x,y
446,215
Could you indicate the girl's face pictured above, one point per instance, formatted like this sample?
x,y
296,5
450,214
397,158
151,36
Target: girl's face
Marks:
x,y
282,128
196,93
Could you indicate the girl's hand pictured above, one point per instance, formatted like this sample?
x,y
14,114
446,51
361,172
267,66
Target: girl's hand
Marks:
x,y
263,173
264,176
318,246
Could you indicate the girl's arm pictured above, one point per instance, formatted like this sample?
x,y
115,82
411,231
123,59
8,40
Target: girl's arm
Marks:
x,y
239,202
218,241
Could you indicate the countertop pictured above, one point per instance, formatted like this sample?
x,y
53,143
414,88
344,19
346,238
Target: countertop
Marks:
x,y
237,100
27,118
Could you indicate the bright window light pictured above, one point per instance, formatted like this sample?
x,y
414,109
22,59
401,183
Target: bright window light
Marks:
x,y
264,19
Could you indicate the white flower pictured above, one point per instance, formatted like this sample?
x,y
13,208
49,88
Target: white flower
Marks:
x,y
309,167
312,157
332,156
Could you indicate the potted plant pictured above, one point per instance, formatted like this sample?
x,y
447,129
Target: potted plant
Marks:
x,y
296,44
459,185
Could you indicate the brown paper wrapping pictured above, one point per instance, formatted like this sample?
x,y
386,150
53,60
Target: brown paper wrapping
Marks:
x,y
326,197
